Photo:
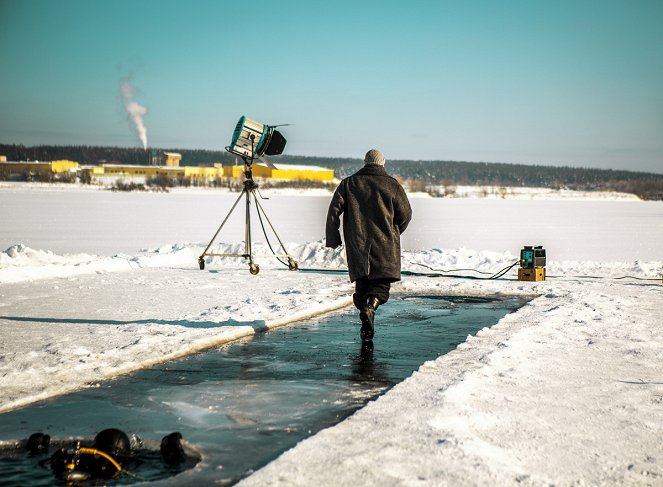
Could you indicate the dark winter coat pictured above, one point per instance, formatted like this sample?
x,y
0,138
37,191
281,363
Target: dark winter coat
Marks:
x,y
375,212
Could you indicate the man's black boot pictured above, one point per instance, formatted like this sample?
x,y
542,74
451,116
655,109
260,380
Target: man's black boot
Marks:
x,y
367,315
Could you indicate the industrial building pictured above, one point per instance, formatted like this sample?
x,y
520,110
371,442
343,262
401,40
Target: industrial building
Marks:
x,y
284,172
169,167
36,167
152,171
169,159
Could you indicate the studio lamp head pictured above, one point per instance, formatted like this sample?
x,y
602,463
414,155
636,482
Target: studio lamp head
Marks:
x,y
253,139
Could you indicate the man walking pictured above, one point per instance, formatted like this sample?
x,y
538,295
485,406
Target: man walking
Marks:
x,y
375,212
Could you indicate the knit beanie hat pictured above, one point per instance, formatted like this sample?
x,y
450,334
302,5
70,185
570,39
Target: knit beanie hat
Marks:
x,y
374,158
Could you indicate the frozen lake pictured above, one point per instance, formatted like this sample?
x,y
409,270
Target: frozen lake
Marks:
x,y
107,223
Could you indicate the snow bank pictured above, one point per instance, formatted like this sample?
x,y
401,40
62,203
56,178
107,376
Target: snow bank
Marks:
x,y
21,263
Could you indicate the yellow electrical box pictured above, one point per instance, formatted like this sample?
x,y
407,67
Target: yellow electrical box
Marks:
x,y
532,274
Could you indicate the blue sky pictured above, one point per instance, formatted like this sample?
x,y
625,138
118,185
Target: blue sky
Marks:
x,y
576,83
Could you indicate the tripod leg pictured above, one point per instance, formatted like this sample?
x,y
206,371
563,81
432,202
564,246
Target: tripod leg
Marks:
x,y
292,263
248,250
222,224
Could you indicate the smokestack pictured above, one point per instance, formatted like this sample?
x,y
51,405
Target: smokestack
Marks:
x,y
134,110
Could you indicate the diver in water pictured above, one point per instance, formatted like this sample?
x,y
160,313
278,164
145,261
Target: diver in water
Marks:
x,y
38,443
108,457
105,459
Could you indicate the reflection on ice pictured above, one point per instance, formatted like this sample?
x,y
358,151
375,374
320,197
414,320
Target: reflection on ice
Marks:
x,y
261,404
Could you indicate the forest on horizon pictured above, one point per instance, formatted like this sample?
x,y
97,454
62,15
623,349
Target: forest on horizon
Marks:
x,y
645,185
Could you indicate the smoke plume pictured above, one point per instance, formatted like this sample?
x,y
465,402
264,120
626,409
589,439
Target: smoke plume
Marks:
x,y
135,110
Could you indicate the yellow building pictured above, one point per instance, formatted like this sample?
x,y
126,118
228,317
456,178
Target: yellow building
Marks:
x,y
64,166
161,158
203,171
93,170
283,171
233,171
172,159
261,171
313,173
173,171
134,170
38,167
3,158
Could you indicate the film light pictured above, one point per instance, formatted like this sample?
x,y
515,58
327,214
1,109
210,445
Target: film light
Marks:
x,y
253,139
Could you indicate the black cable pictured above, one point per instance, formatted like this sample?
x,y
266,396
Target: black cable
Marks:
x,y
324,271
501,273
264,232
496,275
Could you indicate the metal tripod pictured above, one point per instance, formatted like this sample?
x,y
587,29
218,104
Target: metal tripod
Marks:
x,y
248,192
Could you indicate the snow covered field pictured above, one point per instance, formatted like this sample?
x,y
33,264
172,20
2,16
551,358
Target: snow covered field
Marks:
x,y
515,192
566,391
78,219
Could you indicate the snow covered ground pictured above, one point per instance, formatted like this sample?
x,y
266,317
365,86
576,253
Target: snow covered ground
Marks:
x,y
515,192
568,390
69,219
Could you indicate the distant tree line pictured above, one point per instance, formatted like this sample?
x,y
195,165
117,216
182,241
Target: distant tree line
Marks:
x,y
645,185
429,173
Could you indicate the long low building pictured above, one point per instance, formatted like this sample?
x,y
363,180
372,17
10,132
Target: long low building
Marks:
x,y
60,166
173,171
283,172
